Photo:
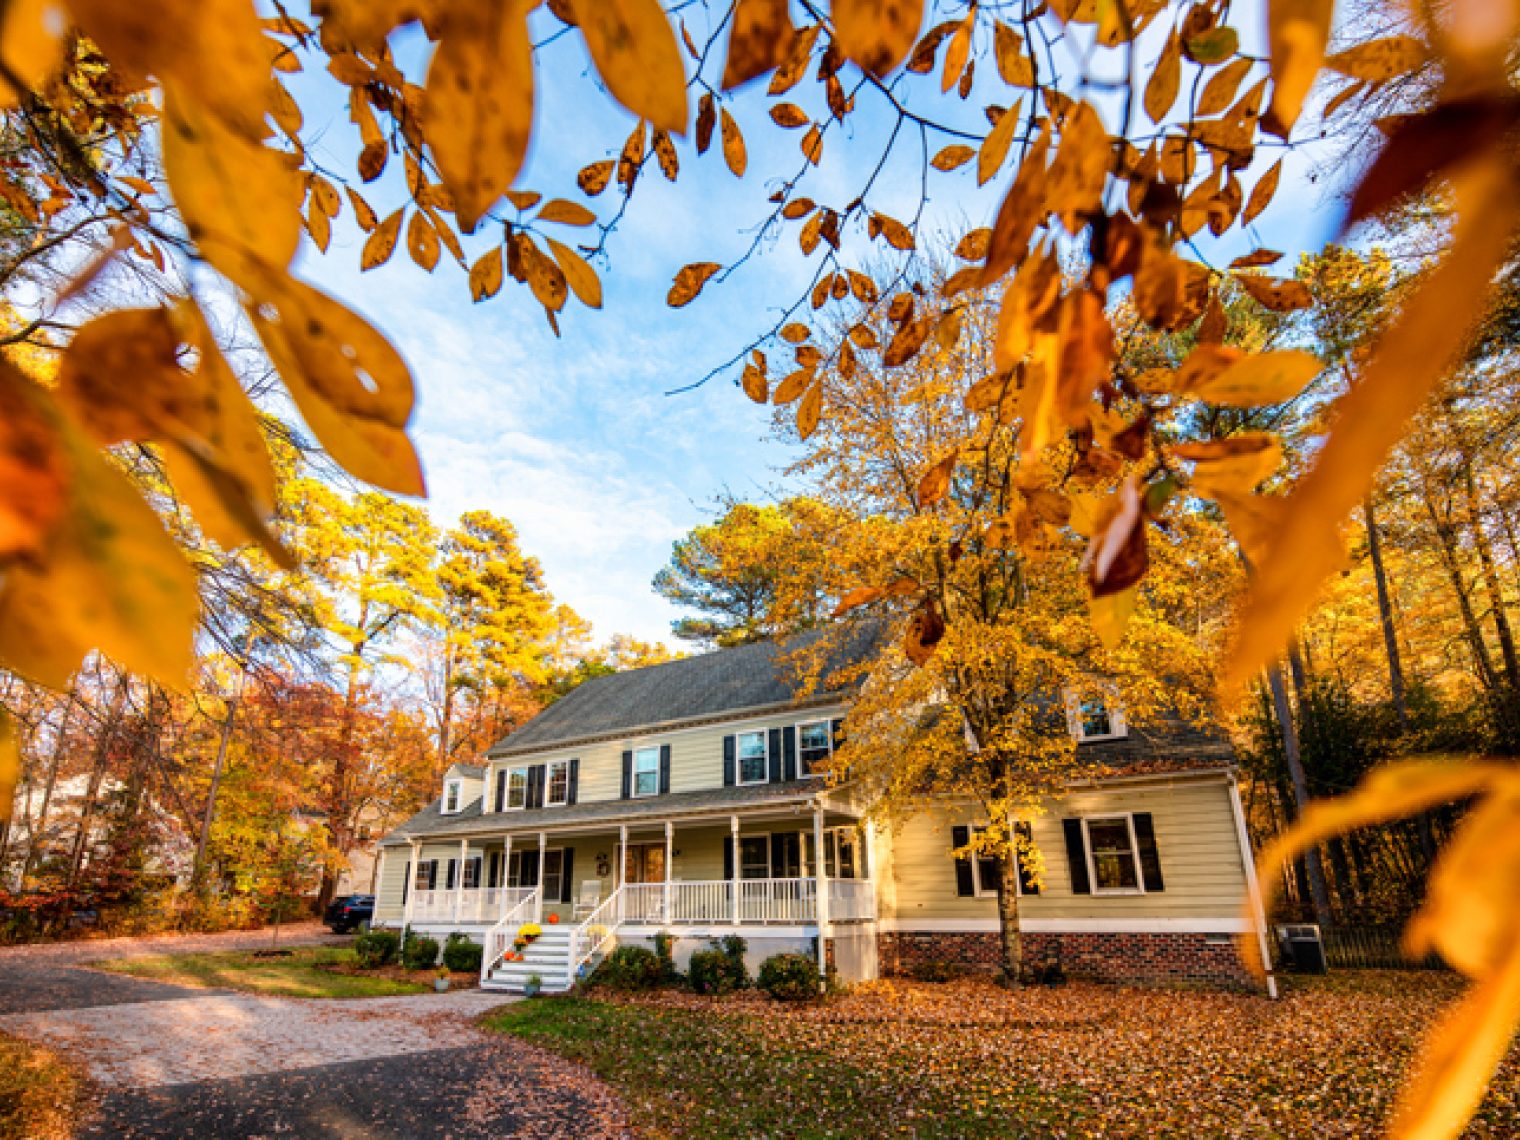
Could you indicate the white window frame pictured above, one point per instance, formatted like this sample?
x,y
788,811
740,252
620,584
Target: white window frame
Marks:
x,y
1117,728
513,877
990,892
453,790
1134,851
549,800
475,863
633,776
522,770
765,757
833,837
828,736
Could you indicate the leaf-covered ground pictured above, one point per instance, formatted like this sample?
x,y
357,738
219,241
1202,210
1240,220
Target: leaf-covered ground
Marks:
x,y
968,1059
38,1092
315,972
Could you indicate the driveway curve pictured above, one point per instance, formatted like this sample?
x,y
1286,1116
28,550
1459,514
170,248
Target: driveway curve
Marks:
x,y
171,1061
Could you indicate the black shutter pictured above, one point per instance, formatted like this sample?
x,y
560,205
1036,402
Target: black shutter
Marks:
x,y
1150,859
406,883
528,874
965,885
501,790
432,867
728,853
566,873
836,728
664,769
627,774
448,883
778,856
773,754
536,786
493,871
1076,856
573,791
789,752
729,762
1026,881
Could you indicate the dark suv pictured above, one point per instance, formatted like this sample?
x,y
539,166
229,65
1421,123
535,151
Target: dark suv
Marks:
x,y
351,912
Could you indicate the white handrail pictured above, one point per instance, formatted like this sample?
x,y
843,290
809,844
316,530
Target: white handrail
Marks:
x,y
500,936
598,930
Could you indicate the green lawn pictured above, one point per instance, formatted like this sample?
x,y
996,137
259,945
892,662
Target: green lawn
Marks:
x,y
313,971
969,1060
38,1092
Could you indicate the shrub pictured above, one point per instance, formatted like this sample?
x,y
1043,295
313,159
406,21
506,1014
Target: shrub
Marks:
x,y
789,977
419,952
461,954
629,968
377,948
664,950
936,970
733,945
716,972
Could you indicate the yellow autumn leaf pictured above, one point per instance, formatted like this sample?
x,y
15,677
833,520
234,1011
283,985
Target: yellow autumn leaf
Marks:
x,y
479,93
1409,361
1234,465
1165,77
1379,60
486,275
1110,615
994,150
379,246
1258,380
422,241
689,281
637,56
120,378
935,482
877,34
583,281
734,152
761,40
240,200
33,466
566,213
349,383
1297,32
109,578
31,41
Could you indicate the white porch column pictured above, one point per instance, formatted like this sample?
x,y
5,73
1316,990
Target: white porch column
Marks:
x,y
410,890
506,862
821,890
733,884
620,870
543,846
464,853
670,849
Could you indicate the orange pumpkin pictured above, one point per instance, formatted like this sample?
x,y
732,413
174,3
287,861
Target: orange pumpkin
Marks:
x,y
553,919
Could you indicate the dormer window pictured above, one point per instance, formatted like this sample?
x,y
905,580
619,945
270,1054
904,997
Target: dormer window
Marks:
x,y
453,791
1095,713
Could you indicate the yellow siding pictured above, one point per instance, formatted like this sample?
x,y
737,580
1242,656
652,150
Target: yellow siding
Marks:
x,y
696,755
1195,839
388,892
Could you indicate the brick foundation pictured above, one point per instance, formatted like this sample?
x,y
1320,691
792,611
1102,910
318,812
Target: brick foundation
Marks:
x,y
1102,957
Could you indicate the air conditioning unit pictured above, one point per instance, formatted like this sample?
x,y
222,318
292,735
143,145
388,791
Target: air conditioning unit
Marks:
x,y
1303,948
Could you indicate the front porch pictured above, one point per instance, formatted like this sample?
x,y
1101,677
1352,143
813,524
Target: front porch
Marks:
x,y
780,878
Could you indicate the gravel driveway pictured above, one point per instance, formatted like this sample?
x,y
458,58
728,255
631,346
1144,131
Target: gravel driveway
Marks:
x,y
171,1061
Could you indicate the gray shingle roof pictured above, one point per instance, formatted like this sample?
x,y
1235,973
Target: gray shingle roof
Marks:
x,y
431,823
691,689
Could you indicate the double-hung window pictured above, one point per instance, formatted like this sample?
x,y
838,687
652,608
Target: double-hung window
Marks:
x,y
558,783
517,789
815,744
753,762
471,873
451,797
840,858
646,772
1095,713
1112,853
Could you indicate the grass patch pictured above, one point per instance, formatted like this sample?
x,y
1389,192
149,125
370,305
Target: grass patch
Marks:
x,y
968,1059
38,1093
308,971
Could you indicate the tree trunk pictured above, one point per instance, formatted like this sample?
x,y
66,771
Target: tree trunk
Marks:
x,y
1318,894
199,874
1446,542
1385,616
103,744
38,831
1011,960
1491,582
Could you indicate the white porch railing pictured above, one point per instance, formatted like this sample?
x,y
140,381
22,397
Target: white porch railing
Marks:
x,y
598,932
852,900
482,904
433,906
499,937
777,900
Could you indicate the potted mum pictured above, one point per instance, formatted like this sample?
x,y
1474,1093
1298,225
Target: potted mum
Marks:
x,y
528,931
532,986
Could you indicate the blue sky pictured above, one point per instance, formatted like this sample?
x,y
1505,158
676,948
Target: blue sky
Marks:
x,y
575,439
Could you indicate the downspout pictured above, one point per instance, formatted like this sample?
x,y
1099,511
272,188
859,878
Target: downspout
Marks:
x,y
1253,888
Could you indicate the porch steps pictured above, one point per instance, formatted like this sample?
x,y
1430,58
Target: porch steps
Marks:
x,y
548,956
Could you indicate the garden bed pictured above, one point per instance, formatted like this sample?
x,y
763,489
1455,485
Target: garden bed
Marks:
x,y
316,972
969,1059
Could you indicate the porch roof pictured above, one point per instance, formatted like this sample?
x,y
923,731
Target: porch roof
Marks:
x,y
430,823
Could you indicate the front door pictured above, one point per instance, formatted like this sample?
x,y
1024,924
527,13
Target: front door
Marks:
x,y
644,863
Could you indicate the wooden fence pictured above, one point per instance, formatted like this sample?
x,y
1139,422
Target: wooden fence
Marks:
x,y
1371,947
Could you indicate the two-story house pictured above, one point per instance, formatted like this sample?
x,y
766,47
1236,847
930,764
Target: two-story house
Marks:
x,y
686,798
